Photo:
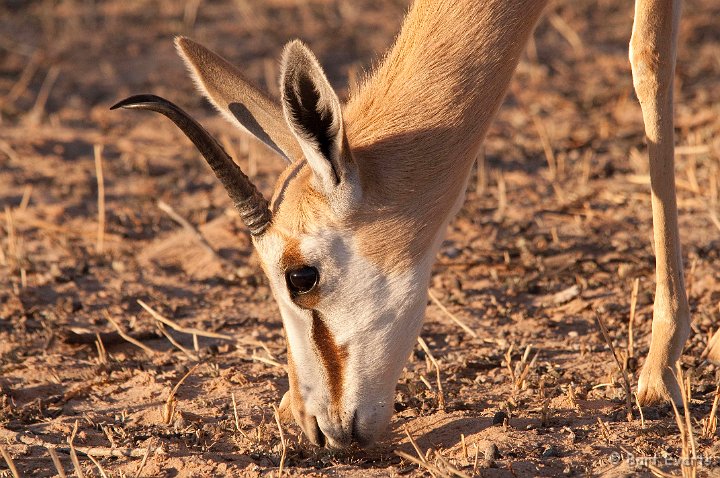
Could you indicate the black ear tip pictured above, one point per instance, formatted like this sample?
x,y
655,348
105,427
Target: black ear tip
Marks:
x,y
137,100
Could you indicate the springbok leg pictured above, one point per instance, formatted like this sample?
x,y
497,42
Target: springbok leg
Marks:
x,y
653,49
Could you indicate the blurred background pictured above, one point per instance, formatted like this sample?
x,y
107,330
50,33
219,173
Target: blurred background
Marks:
x,y
556,227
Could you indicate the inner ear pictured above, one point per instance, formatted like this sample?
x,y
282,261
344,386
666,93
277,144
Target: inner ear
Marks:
x,y
313,112
314,118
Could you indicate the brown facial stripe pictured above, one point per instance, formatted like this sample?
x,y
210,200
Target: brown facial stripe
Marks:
x,y
291,256
333,357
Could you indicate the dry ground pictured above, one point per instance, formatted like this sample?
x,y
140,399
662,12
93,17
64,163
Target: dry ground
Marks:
x,y
537,252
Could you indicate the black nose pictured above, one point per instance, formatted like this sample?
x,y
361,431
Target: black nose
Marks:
x,y
318,437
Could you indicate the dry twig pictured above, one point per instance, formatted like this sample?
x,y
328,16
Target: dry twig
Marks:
x,y
710,422
433,470
266,360
604,430
567,32
73,454
623,370
688,462
235,412
25,200
144,460
547,148
642,416
194,232
440,394
414,445
712,349
437,302
519,373
179,328
23,81
97,464
283,443
175,343
56,461
100,242
125,336
96,451
35,114
10,463
631,322
169,409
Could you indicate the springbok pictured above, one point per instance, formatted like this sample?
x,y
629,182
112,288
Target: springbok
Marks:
x,y
350,236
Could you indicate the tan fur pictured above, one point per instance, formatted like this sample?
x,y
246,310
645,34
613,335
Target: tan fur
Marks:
x,y
309,208
415,125
409,135
652,55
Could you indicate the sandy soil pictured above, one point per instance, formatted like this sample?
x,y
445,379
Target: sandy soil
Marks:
x,y
535,255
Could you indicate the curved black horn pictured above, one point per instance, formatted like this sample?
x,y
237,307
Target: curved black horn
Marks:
x,y
250,203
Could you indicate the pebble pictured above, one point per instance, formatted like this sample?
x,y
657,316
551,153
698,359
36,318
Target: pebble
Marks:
x,y
499,418
487,464
490,452
549,451
453,252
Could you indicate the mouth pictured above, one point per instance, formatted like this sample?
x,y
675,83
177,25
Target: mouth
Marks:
x,y
350,438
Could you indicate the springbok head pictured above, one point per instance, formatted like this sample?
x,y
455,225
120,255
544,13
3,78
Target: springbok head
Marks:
x,y
345,267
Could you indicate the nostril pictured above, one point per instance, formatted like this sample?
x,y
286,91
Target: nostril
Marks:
x,y
319,435
355,433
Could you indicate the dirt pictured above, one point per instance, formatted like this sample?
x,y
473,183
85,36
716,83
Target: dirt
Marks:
x,y
555,230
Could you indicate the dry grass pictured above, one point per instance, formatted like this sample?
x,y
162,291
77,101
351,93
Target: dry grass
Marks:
x,y
621,369
556,227
169,410
98,150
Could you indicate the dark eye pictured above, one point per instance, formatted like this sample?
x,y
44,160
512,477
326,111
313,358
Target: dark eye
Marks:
x,y
302,280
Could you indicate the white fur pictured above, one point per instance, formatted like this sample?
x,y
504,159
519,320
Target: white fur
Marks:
x,y
376,315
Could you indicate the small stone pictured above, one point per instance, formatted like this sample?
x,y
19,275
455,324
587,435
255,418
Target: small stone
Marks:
x,y
490,452
55,271
703,388
499,418
180,422
487,464
453,252
550,451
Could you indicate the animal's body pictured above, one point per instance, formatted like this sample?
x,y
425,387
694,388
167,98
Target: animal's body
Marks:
x,y
351,233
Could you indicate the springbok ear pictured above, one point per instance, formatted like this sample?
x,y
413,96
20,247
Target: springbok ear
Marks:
x,y
239,101
312,109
